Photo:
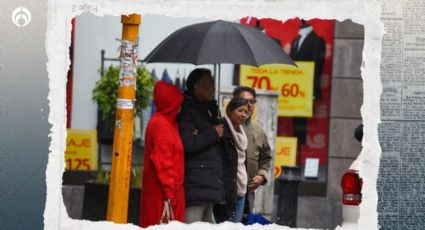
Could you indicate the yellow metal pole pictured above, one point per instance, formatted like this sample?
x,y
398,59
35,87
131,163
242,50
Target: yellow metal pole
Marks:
x,y
119,186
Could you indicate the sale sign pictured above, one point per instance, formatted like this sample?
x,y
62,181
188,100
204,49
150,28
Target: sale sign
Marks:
x,y
293,84
81,149
313,131
286,153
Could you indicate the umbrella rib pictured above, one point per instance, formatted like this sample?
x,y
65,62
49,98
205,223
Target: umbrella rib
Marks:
x,y
245,42
268,51
183,49
185,45
188,43
203,40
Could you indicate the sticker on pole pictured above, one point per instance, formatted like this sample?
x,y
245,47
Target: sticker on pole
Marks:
x,y
129,58
125,104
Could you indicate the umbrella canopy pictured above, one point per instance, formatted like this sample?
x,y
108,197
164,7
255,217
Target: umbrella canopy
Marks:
x,y
219,42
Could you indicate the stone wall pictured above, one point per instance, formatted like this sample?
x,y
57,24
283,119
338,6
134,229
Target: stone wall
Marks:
x,y
346,100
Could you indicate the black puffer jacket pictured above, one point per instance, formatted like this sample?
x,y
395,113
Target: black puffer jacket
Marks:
x,y
230,164
203,157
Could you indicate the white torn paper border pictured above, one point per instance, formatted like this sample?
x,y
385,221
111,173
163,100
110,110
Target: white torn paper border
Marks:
x,y
60,13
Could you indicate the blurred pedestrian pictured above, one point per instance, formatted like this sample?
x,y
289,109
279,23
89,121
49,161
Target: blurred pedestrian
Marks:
x,y
200,131
258,151
234,144
163,164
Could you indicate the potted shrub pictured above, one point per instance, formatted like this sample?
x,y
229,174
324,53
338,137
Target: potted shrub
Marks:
x,y
105,95
96,196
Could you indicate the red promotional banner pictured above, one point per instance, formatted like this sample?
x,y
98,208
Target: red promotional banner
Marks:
x,y
306,41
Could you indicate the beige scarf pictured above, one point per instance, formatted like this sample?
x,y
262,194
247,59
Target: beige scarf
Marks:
x,y
241,143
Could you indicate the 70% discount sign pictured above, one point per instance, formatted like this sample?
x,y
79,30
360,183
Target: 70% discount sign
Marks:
x,y
294,86
287,89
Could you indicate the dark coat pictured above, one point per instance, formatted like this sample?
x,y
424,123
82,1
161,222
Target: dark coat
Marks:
x,y
313,48
203,156
230,164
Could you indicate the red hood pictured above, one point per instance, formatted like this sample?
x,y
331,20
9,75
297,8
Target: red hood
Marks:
x,y
167,99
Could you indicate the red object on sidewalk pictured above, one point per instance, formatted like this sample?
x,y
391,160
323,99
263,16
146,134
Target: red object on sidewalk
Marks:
x,y
70,78
163,165
351,184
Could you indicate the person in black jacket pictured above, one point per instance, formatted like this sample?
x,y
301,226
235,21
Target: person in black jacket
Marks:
x,y
234,144
200,131
308,46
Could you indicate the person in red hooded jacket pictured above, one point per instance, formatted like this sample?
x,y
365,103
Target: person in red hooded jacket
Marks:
x,y
163,164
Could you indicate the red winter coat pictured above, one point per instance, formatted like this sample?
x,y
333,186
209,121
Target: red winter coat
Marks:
x,y
163,164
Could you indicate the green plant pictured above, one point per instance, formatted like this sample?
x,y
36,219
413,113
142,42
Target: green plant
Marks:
x,y
105,91
102,177
136,174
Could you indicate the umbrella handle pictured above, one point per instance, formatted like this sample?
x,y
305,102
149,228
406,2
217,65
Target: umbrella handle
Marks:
x,y
219,117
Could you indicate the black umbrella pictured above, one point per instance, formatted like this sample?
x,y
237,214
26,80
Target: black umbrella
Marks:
x,y
219,42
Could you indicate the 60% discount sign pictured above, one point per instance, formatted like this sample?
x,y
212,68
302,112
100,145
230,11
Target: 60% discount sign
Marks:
x,y
294,86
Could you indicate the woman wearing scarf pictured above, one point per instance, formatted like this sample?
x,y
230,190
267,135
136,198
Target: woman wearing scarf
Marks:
x,y
163,164
234,144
